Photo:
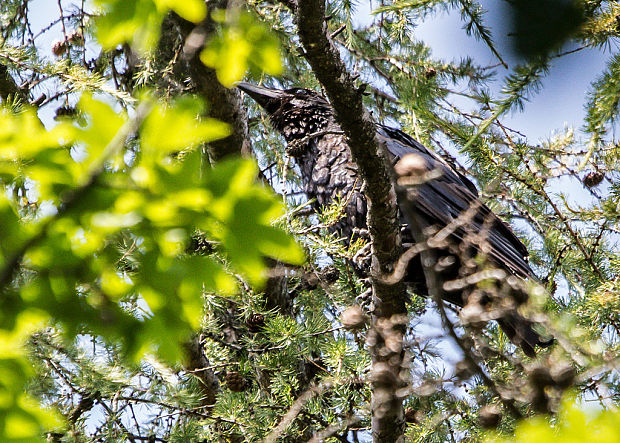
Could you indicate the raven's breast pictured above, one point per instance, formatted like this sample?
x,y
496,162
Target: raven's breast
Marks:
x,y
329,175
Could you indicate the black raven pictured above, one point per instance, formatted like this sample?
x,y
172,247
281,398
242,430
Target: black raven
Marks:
x,y
316,141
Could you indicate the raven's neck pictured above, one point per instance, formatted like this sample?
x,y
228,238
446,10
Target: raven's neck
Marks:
x,y
327,170
299,123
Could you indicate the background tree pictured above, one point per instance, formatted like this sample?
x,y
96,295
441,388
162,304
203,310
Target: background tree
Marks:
x,y
136,303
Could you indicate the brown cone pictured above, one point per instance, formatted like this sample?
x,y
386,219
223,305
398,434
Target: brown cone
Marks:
x,y
235,381
255,322
593,179
353,318
489,416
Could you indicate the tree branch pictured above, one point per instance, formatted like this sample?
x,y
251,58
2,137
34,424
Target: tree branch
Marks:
x,y
296,408
8,87
436,289
383,224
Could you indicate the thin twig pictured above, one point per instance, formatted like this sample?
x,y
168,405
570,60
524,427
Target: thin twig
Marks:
x,y
296,408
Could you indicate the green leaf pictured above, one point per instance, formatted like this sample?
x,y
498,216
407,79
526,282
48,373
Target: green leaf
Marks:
x,y
176,127
23,139
75,274
246,213
11,235
21,418
103,124
574,425
133,21
243,43
139,21
192,10
23,136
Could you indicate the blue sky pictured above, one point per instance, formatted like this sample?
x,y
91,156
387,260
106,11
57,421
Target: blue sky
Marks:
x,y
562,97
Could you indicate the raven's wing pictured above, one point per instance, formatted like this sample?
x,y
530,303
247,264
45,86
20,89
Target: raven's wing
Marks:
x,y
442,200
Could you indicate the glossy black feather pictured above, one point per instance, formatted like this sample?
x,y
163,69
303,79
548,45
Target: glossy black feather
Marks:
x,y
328,172
442,200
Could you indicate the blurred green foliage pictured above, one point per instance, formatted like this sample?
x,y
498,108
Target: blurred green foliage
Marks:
x,y
138,21
574,424
71,192
73,276
244,43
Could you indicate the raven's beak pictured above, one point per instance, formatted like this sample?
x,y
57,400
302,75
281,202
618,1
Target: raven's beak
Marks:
x,y
262,95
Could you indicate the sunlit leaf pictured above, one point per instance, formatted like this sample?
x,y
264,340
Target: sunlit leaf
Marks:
x,y
243,43
246,213
134,21
176,127
11,234
574,425
77,276
103,124
139,21
192,10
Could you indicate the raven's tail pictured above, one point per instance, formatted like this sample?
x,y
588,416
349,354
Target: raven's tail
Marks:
x,y
520,331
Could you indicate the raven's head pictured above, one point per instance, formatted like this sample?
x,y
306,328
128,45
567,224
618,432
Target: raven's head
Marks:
x,y
295,112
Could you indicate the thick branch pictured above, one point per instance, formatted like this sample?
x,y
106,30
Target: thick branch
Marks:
x,y
360,131
226,105
383,225
198,365
8,87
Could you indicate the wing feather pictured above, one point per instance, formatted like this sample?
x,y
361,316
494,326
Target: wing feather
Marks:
x,y
442,200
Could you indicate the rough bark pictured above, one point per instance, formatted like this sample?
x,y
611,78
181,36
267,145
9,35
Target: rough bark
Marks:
x,y
8,87
388,357
226,105
195,363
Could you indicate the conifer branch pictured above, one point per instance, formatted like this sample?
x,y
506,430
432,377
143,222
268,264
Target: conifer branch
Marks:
x,y
473,11
300,343
296,408
525,79
540,190
436,291
74,77
360,132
